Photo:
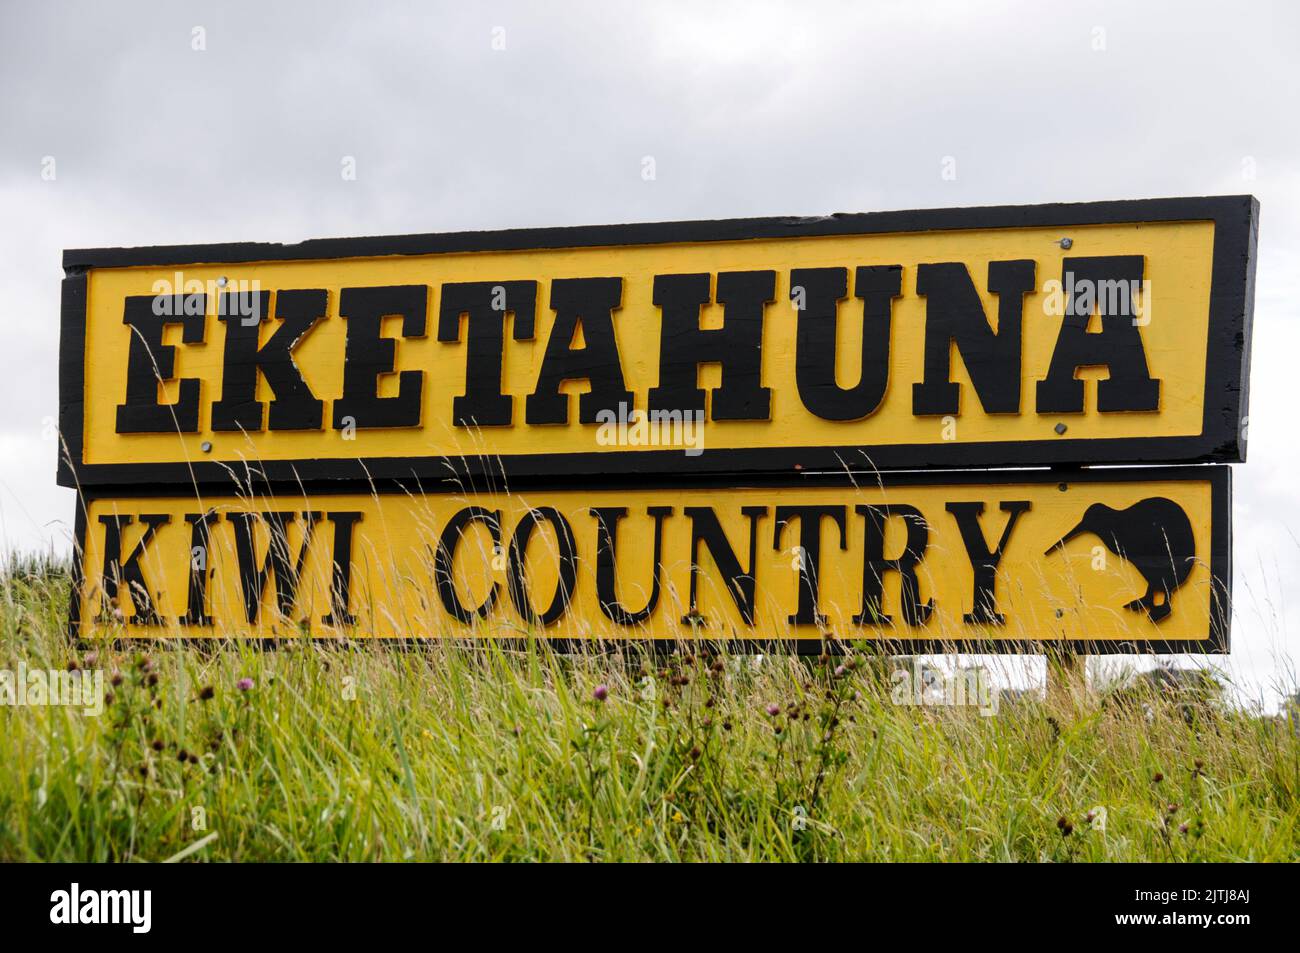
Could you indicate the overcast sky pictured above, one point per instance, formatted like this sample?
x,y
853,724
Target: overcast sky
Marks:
x,y
747,109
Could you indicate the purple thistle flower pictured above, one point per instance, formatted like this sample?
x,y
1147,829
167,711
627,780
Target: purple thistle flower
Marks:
x,y
773,709
244,684
600,693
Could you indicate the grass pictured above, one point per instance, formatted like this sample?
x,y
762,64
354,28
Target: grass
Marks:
x,y
455,753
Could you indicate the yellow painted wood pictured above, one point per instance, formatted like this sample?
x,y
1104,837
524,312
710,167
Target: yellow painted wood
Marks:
x,y
1177,266
1077,592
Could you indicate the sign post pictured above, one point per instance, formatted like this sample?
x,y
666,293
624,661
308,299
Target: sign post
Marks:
x,y
787,431
1067,676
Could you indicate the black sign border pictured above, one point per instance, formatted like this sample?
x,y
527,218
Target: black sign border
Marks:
x,y
1217,642
1226,383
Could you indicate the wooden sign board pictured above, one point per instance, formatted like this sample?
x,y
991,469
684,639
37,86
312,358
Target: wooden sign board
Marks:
x,y
1106,561
1058,334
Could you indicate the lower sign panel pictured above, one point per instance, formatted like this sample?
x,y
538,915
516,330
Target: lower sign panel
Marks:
x,y
1111,560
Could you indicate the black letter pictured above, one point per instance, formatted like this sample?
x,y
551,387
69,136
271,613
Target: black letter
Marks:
x,y
822,288
368,355
444,561
1117,346
276,563
606,570
294,407
483,404
875,565
200,554
954,314
341,581
983,562
737,345
116,570
810,546
589,303
150,362
706,529
517,584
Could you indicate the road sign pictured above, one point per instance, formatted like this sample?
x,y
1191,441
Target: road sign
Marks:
x,y
1058,334
1105,560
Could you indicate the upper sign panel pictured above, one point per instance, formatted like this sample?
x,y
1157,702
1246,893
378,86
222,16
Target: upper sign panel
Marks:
x,y
1058,334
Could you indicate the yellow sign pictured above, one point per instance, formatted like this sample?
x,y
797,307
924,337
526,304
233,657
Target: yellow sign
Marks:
x,y
1110,559
1112,332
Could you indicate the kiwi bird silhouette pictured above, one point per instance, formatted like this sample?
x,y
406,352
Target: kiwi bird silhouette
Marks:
x,y
1154,536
